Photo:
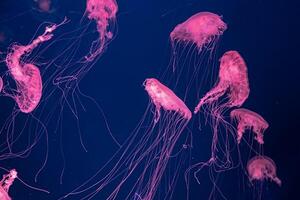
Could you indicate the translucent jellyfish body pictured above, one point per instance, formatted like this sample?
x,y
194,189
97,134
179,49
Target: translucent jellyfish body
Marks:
x,y
200,29
26,75
141,162
247,119
233,80
104,13
5,183
163,97
262,168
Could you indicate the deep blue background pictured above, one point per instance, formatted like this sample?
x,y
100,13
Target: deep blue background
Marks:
x,y
264,32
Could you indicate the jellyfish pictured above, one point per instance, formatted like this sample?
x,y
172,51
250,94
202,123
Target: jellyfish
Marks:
x,y
262,168
201,29
193,45
26,75
248,119
233,81
141,161
103,12
5,183
45,10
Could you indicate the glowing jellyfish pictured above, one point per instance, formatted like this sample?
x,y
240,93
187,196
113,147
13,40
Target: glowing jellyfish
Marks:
x,y
26,75
141,161
201,29
233,80
163,97
104,14
262,168
5,183
248,119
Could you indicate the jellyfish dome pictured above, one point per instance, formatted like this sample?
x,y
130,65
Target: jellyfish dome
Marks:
x,y
262,168
162,96
248,119
200,29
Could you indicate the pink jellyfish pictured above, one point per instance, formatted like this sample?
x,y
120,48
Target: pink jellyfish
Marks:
x,y
233,80
5,183
141,161
262,168
104,14
201,29
201,32
44,5
26,75
248,119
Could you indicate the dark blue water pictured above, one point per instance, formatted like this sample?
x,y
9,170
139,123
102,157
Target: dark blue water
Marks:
x,y
264,32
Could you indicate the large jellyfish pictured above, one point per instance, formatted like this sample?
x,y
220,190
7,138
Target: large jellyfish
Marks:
x,y
248,119
5,183
104,14
142,160
26,75
190,41
233,80
262,168
201,29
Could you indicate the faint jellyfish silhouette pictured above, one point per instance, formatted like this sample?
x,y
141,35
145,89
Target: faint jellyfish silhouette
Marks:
x,y
262,168
104,14
247,119
5,183
143,158
26,75
44,5
233,80
45,10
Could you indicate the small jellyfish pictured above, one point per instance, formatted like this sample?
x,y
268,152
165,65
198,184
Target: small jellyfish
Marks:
x,y
26,75
144,158
248,119
201,29
233,80
104,13
5,183
262,168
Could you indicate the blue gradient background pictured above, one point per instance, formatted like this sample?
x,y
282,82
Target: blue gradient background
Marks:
x,y
264,32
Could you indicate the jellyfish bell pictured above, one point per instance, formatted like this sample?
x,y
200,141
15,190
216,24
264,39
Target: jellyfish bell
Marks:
x,y
30,89
233,80
200,29
163,97
247,119
262,168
